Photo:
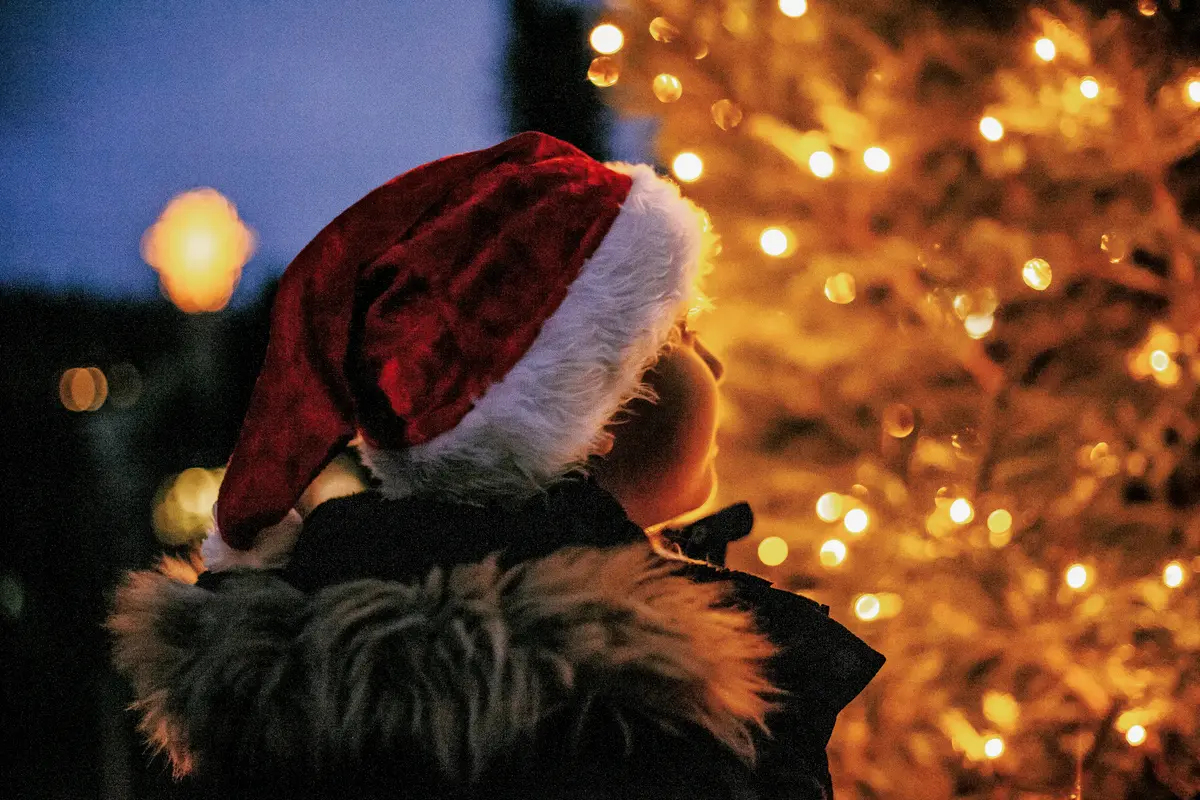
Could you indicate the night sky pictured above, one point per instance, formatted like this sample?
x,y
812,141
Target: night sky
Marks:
x,y
293,109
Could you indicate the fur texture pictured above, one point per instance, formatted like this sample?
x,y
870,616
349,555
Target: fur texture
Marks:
x,y
457,667
549,412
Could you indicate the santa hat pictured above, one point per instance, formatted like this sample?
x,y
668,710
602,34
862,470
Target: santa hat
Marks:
x,y
477,321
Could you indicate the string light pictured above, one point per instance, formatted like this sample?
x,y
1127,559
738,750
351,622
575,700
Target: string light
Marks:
x,y
1078,576
877,159
772,551
899,420
1037,274
1159,361
840,288
1045,49
774,241
821,164
1136,735
1192,90
991,129
829,507
603,72
607,39
1173,575
866,607
687,166
856,520
999,521
993,747
793,8
667,88
1089,88
979,325
833,552
961,511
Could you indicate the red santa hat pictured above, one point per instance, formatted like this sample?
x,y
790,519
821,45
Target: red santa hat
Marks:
x,y
477,321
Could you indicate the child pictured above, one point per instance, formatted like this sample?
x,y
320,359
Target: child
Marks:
x,y
501,336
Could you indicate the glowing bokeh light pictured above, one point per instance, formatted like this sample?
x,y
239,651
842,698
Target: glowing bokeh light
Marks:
x,y
867,607
821,164
774,241
833,552
978,326
961,511
1173,575
991,129
856,520
1192,91
687,166
1037,274
83,389
1136,735
198,246
1089,88
793,8
772,551
877,159
183,506
899,420
1160,361
603,72
829,507
607,39
840,288
667,88
993,747
999,521
1045,49
1077,576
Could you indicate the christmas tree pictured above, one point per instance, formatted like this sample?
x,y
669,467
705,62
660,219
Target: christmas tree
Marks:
x,y
958,308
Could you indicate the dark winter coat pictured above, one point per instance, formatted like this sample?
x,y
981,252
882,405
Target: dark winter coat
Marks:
x,y
420,649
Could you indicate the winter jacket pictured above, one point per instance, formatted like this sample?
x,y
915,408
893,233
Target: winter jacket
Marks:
x,y
418,648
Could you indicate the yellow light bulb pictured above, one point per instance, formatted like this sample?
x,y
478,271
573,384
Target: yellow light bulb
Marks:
x,y
774,241
877,159
993,747
867,607
1045,49
1193,92
999,521
793,8
991,129
979,325
772,551
1089,88
1136,735
1077,576
833,553
961,511
829,507
1173,575
607,39
821,164
687,167
1037,274
856,520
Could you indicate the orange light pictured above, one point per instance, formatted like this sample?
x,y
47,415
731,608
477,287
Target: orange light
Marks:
x,y
198,246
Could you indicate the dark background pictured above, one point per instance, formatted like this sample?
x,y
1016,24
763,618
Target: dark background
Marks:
x,y
78,488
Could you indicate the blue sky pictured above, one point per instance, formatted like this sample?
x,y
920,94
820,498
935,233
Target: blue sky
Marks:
x,y
293,109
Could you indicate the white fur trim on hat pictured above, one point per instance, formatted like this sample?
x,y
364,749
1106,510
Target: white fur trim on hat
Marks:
x,y
548,414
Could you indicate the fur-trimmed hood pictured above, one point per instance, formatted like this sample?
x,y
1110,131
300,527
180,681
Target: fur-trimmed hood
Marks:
x,y
373,654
